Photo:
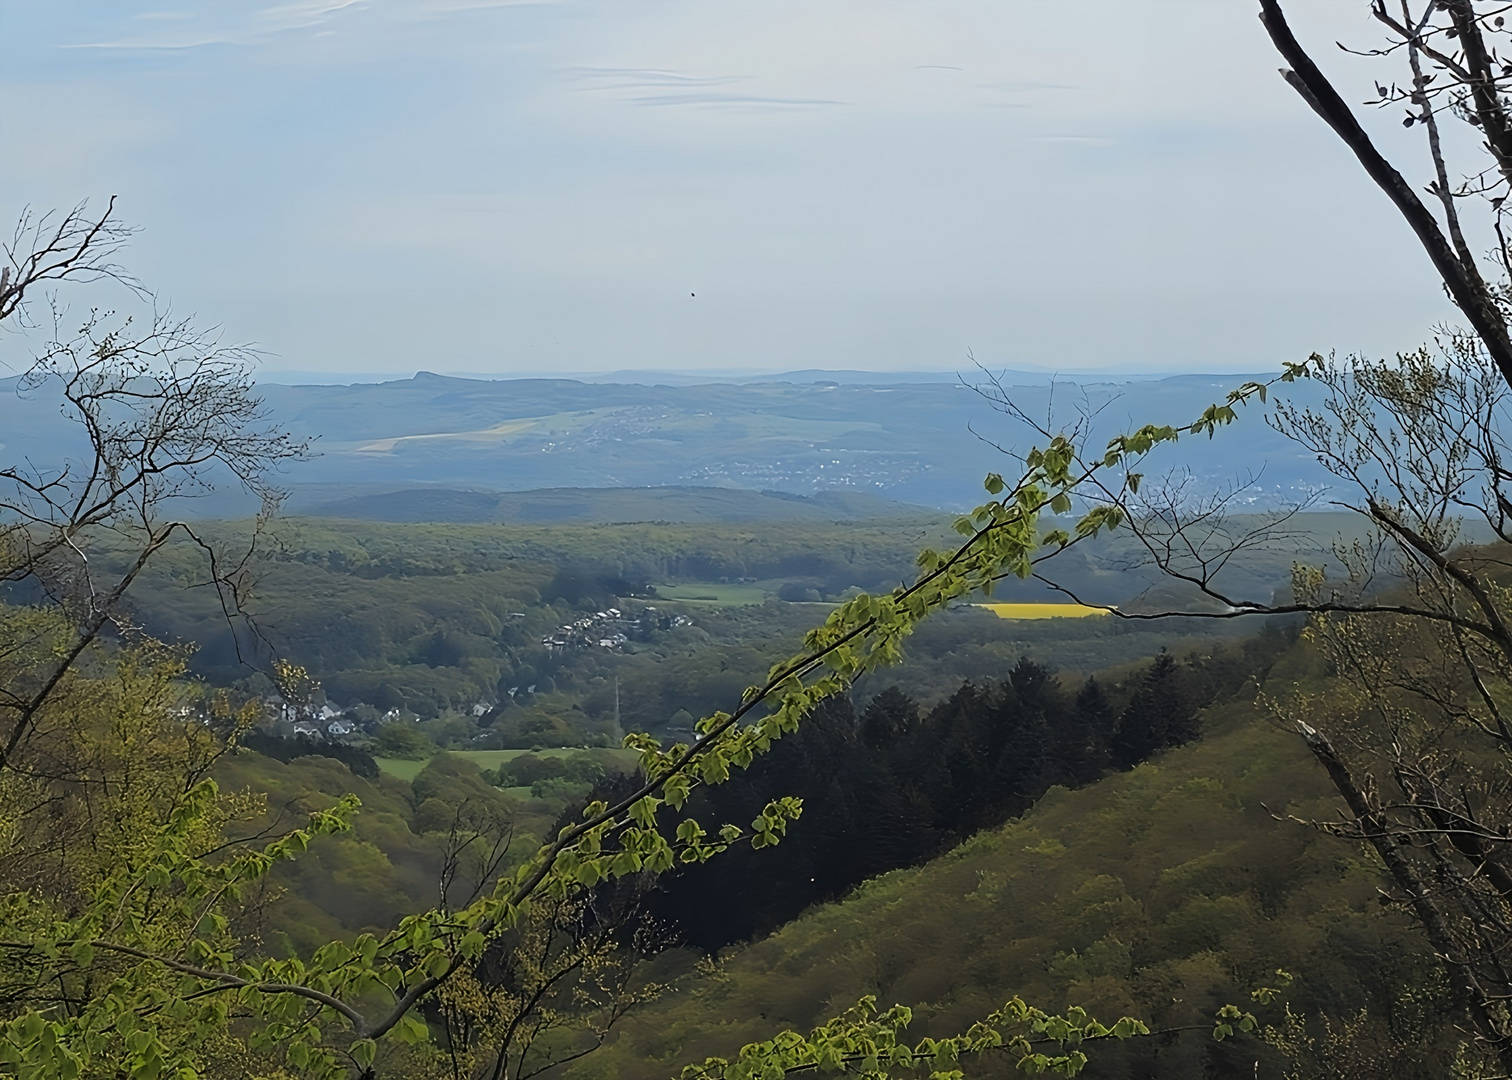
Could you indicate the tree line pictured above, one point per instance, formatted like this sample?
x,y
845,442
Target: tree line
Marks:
x,y
146,947
891,784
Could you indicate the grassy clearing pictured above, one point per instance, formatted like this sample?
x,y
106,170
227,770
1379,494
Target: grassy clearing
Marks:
x,y
403,769
1042,611
550,423
492,759
708,592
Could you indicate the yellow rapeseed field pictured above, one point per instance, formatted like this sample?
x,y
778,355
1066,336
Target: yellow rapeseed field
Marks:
x,y
1042,611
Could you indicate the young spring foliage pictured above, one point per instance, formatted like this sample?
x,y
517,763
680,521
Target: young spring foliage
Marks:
x,y
154,950
870,1044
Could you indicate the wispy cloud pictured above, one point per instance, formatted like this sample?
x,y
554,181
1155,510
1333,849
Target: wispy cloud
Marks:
x,y
595,78
304,12
447,7
198,27
158,44
681,89
1086,140
846,178
243,26
738,100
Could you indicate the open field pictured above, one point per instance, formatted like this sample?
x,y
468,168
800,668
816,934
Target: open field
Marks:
x,y
1042,611
707,592
406,769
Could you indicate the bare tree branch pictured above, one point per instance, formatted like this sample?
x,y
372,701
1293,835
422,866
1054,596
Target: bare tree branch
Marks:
x,y
1309,82
74,246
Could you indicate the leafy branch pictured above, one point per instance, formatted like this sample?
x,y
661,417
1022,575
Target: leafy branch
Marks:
x,y
339,983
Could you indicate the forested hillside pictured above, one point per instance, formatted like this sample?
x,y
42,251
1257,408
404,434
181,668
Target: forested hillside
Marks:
x,y
444,728
1161,868
557,506
391,863
892,784
438,617
1163,892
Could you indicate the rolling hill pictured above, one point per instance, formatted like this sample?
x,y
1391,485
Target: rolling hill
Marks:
x,y
927,443
1161,893
594,506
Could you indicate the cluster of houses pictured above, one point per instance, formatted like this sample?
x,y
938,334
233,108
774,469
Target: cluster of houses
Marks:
x,y
610,629
321,723
854,469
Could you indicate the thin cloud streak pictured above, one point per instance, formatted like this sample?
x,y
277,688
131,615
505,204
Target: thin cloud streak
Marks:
x,y
601,79
504,185
732,100
267,23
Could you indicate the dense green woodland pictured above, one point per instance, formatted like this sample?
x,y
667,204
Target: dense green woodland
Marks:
x,y
388,865
1136,910
1141,879
908,785
916,782
1082,811
1162,892
435,618
445,783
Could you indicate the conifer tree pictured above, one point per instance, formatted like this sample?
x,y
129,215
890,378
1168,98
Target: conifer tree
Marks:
x,y
1082,746
1157,716
888,716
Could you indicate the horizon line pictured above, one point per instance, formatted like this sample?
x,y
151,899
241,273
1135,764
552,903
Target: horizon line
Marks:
x,y
316,376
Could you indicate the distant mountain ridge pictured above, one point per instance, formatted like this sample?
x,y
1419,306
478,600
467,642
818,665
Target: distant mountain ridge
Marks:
x,y
635,377
582,506
924,443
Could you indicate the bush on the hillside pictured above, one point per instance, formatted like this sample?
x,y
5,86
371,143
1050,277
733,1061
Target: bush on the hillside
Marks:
x,y
281,749
530,728
397,739
560,788
527,770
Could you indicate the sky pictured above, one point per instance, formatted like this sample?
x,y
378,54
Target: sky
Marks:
x,y
723,186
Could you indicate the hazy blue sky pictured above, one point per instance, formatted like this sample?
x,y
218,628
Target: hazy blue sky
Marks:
x,y
467,185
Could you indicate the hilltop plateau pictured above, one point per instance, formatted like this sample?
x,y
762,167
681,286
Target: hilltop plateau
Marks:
x,y
925,443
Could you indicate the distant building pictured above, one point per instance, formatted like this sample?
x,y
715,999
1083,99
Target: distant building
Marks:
x,y
609,629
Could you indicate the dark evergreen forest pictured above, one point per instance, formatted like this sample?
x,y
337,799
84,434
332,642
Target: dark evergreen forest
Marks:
x,y
892,784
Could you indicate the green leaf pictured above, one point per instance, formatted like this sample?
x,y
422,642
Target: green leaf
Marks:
x,y
411,1030
643,810
363,1051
